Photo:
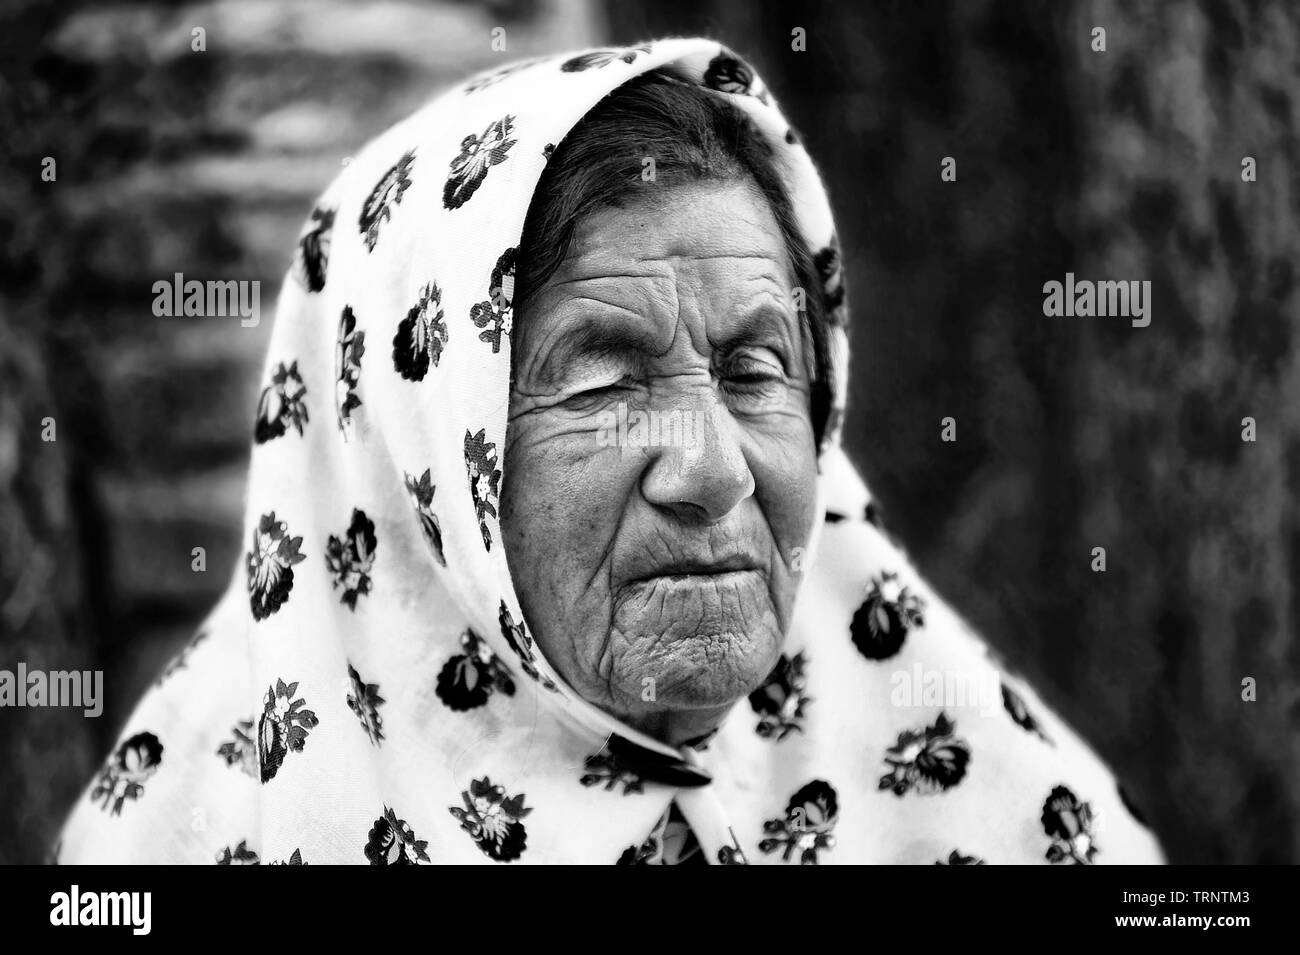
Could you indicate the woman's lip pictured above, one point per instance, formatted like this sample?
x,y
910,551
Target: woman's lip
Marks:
x,y
718,575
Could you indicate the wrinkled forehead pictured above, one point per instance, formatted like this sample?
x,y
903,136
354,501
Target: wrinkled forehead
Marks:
x,y
718,233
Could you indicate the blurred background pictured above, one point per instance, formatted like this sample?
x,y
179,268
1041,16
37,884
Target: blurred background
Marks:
x,y
1072,433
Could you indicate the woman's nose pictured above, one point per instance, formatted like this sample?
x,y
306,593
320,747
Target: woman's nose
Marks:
x,y
697,466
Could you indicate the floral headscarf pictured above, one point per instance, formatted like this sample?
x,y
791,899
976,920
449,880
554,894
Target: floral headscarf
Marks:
x,y
368,690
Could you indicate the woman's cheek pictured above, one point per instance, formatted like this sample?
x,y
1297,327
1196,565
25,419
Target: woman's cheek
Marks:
x,y
785,481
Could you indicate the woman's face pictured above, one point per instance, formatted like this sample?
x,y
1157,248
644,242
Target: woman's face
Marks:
x,y
660,464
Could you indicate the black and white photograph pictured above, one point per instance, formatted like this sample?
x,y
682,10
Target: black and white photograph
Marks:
x,y
586,432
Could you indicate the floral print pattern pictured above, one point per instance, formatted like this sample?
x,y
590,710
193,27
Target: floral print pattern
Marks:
x,y
347,368
484,479
884,619
1069,824
364,701
420,336
926,761
496,76
727,73
605,767
241,750
807,827
780,702
240,855
351,558
830,270
521,643
468,679
282,405
496,316
1015,706
311,257
283,728
294,859
392,842
477,155
956,858
388,192
732,854
601,58
421,492
127,770
493,819
270,565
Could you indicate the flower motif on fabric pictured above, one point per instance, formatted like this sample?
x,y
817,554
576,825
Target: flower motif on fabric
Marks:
x,y
1069,823
605,767
364,701
241,750
421,492
477,155
780,702
926,761
1014,705
830,270
468,679
883,620
491,79
347,368
388,192
283,728
808,825
492,819
732,854
178,662
484,479
282,404
124,775
517,637
393,842
352,558
601,58
240,855
956,858
270,565
728,73
420,336
311,257
496,316
648,852
295,859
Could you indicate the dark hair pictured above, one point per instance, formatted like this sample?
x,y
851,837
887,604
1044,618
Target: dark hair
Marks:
x,y
694,135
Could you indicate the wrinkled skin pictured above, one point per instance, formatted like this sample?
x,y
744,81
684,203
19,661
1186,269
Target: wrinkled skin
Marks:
x,y
659,580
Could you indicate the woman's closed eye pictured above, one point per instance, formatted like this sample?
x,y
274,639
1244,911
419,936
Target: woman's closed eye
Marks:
x,y
596,393
753,374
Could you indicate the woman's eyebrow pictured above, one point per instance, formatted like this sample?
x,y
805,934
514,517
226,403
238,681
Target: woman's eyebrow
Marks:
x,y
759,323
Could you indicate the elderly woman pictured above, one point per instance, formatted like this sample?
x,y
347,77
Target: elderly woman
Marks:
x,y
553,555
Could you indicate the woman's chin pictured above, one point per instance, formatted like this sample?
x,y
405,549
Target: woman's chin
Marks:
x,y
710,672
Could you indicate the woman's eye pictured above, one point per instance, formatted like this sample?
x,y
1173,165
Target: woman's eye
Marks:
x,y
598,393
751,372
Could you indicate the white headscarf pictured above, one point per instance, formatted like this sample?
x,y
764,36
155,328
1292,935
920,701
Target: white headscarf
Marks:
x,y
367,690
